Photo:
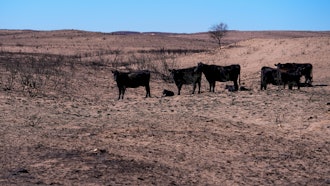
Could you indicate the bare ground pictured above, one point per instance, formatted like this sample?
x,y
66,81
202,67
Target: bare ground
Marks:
x,y
85,136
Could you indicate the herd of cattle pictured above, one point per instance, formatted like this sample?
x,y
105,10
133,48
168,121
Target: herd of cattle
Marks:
x,y
284,74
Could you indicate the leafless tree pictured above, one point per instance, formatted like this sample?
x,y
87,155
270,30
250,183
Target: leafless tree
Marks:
x,y
218,31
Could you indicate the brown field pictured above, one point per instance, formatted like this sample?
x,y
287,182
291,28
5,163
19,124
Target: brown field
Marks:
x,y
61,122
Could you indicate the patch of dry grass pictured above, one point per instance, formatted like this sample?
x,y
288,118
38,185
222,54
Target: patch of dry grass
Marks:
x,y
76,131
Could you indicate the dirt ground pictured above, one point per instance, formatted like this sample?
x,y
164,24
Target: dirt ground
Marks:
x,y
85,136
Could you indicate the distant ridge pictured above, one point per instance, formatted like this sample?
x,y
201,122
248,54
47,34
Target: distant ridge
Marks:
x,y
145,33
125,32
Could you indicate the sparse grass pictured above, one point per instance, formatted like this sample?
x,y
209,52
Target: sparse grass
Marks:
x,y
34,120
251,50
81,134
35,74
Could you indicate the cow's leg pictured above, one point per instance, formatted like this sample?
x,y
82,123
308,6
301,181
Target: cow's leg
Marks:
x,y
194,88
210,87
179,88
148,91
263,82
235,85
262,86
119,92
298,84
199,87
290,85
123,92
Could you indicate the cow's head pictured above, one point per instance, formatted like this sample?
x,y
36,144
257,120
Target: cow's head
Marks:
x,y
282,68
172,71
200,64
115,74
278,65
199,67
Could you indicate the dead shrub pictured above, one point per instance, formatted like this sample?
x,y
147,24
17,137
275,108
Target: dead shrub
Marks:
x,y
36,74
166,62
158,63
8,79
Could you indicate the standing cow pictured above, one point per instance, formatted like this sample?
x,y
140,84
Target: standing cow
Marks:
x,y
215,73
291,77
269,76
132,80
187,76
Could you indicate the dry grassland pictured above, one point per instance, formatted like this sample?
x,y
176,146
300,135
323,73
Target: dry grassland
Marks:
x,y
61,122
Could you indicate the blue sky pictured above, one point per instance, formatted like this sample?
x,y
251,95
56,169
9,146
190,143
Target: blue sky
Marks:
x,y
182,16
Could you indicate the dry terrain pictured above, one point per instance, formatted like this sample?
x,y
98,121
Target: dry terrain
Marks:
x,y
61,122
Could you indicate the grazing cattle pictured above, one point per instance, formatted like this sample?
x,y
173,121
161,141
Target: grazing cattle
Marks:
x,y
167,93
132,80
306,70
215,73
279,77
187,76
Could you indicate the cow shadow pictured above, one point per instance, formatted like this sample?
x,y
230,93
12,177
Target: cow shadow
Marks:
x,y
310,85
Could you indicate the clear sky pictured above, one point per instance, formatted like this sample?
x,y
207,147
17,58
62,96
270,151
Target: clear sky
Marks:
x,y
182,16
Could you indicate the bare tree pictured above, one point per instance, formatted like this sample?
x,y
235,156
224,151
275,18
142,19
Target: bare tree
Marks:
x,y
218,31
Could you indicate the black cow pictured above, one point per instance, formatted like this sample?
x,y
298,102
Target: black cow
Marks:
x,y
215,73
291,77
187,76
306,70
279,77
269,76
132,80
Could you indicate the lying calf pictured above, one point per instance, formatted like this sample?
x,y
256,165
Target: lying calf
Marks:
x,y
167,93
